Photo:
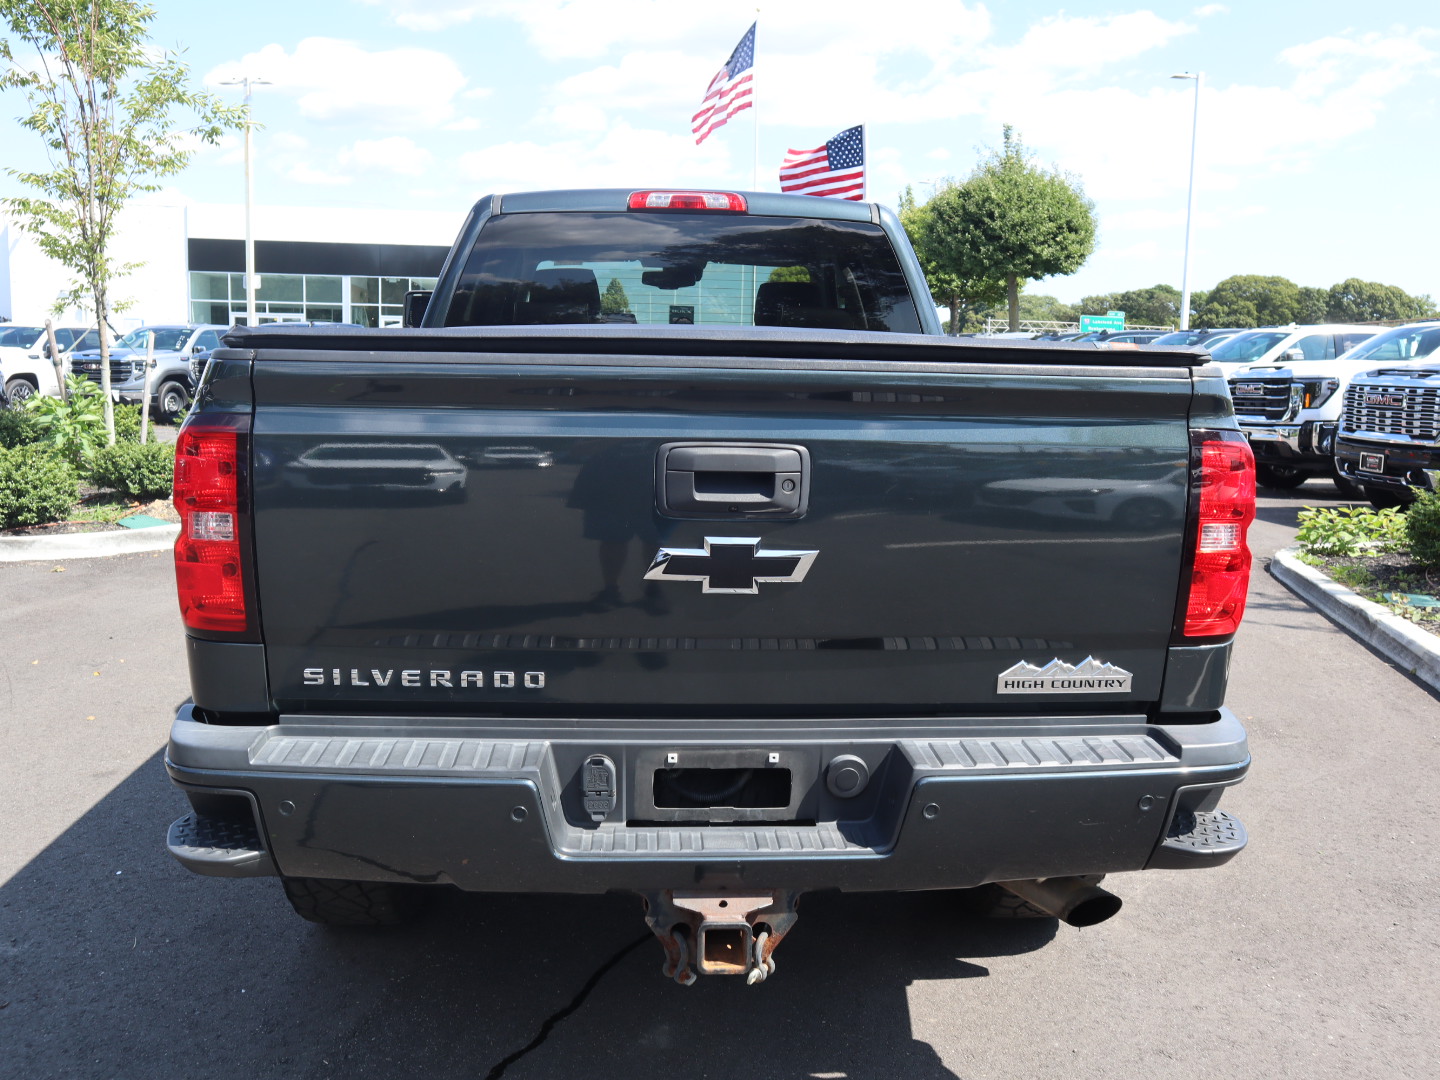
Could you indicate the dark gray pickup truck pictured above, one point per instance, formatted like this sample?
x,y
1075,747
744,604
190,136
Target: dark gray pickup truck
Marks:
x,y
674,553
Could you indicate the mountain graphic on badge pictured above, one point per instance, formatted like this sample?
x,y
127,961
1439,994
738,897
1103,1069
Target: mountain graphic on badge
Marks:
x,y
1088,666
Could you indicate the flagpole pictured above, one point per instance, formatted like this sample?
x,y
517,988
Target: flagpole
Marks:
x,y
864,162
755,108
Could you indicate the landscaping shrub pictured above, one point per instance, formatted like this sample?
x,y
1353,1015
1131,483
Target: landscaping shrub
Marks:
x,y
142,472
74,427
17,427
37,486
1422,526
1347,530
127,425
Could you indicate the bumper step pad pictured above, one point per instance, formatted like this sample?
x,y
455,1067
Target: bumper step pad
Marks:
x,y
219,848
1200,838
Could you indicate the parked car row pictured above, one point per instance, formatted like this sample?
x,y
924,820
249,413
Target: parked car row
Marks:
x,y
181,350
1298,389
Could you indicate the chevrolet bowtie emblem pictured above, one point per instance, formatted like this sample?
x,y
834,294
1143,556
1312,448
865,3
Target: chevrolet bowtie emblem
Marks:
x,y
729,564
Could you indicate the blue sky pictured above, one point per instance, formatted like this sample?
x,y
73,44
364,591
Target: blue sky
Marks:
x,y
1318,148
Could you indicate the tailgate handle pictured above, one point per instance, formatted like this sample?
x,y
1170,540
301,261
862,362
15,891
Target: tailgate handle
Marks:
x,y
732,480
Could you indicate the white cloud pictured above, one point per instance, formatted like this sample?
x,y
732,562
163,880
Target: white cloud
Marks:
x,y
620,157
338,82
396,154
1207,10
587,28
304,173
1340,87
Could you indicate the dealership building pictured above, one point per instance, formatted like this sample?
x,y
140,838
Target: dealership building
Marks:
x,y
330,265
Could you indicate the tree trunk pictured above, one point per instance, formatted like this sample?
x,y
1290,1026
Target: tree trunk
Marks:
x,y
954,316
1012,287
54,347
102,325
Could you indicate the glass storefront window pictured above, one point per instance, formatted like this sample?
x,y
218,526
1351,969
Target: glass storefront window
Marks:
x,y
320,289
286,288
373,301
205,311
210,286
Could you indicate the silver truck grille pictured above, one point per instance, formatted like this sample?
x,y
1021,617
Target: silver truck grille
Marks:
x,y
119,370
1261,399
1412,411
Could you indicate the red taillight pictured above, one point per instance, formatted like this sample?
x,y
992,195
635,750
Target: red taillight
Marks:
x,y
1220,575
209,559
688,200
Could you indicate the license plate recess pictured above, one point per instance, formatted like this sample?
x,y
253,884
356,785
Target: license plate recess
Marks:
x,y
722,785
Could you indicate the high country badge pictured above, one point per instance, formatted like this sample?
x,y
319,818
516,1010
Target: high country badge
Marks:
x,y
1090,676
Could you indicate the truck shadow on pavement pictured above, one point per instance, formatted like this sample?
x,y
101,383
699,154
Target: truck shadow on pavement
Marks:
x,y
114,961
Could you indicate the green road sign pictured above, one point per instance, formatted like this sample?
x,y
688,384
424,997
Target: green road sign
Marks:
x,y
1114,320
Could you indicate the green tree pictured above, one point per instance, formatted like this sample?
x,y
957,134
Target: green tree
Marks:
x,y
1158,305
101,99
1012,221
1251,300
1034,307
1353,300
613,300
964,296
789,273
1314,305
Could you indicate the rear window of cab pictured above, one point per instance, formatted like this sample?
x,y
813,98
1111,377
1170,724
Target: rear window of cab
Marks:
x,y
682,269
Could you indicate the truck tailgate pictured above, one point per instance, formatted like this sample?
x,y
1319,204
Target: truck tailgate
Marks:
x,y
473,533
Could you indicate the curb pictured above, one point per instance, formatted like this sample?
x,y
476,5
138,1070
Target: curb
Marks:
x,y
1416,651
86,545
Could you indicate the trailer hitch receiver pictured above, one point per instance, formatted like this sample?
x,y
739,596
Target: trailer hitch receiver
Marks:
x,y
719,933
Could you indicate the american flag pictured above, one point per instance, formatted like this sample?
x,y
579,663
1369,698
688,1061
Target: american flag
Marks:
x,y
836,169
729,91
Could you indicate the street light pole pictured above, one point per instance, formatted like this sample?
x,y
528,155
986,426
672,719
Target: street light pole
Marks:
x,y
1199,77
248,82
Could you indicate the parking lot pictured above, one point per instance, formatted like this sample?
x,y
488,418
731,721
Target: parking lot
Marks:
x,y
1311,955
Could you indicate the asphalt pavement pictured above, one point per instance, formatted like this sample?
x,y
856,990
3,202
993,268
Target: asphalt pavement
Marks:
x,y
1310,955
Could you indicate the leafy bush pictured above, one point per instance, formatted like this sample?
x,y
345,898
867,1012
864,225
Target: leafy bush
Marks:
x,y
74,427
1422,528
17,427
127,425
142,472
1346,530
37,486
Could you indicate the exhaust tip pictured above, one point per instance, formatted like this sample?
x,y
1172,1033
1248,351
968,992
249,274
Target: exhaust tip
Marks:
x,y
1072,900
1094,909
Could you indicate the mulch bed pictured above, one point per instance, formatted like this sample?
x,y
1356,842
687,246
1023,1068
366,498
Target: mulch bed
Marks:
x,y
1371,575
160,508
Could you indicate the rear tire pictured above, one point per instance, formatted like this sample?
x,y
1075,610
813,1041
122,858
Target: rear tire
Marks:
x,y
1280,477
352,903
995,902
